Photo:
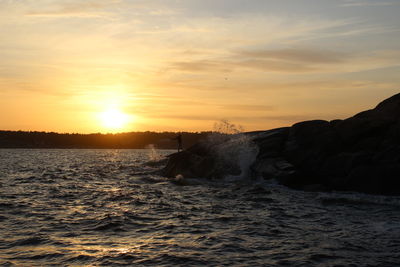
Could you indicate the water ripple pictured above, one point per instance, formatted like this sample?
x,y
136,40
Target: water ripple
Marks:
x,y
108,208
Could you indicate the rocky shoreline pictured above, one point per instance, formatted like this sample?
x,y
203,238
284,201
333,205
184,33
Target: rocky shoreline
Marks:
x,y
361,153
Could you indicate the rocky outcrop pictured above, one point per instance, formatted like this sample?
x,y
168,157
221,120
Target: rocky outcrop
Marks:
x,y
361,153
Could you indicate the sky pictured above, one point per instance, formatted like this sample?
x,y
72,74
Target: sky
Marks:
x,y
91,66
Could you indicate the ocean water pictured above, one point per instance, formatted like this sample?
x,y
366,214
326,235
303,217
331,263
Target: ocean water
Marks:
x,y
108,208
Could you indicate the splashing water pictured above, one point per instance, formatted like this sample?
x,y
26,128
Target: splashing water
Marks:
x,y
226,127
222,132
234,148
153,153
240,151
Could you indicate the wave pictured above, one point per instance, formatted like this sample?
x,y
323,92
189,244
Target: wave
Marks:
x,y
345,198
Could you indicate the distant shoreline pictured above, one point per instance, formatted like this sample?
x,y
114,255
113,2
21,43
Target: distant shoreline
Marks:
x,y
78,148
131,140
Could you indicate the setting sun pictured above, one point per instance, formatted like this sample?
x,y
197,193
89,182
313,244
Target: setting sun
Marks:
x,y
114,119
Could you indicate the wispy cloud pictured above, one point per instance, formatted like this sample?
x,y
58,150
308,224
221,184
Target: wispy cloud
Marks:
x,y
287,119
281,60
290,60
242,107
102,8
365,3
298,55
275,65
293,60
89,8
200,65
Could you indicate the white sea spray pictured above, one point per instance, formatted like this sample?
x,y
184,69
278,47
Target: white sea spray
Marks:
x,y
153,154
234,148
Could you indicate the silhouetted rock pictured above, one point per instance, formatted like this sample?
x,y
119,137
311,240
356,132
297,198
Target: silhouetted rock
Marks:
x,y
271,143
188,164
361,153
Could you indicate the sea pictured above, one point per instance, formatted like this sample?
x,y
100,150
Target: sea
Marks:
x,y
86,207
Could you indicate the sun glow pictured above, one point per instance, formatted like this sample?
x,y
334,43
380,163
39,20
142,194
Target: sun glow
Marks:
x,y
114,119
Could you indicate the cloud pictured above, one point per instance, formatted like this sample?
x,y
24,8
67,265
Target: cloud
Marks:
x,y
242,107
117,9
358,3
291,118
188,117
281,60
288,119
275,66
225,66
298,55
89,8
292,61
199,65
171,102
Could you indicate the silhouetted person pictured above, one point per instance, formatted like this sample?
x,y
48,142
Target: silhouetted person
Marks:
x,y
178,138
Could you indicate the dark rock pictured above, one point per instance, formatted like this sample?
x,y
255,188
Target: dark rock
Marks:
x,y
354,130
389,108
188,164
375,179
388,154
334,122
335,169
271,142
338,164
372,124
307,147
274,168
203,160
361,153
315,188
310,142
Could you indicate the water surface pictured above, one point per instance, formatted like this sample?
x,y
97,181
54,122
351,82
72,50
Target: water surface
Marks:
x,y
105,207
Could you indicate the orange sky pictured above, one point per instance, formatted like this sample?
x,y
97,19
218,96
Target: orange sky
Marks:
x,y
114,65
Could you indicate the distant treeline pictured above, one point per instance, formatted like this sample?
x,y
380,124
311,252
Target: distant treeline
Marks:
x,y
162,140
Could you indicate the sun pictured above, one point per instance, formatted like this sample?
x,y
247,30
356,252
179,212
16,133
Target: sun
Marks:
x,y
114,119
